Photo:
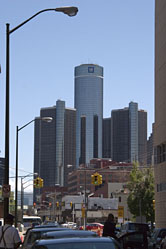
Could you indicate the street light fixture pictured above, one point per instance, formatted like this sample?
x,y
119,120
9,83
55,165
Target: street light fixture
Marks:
x,y
70,11
46,119
22,195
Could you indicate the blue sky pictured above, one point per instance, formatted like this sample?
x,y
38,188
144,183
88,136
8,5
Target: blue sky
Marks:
x,y
116,34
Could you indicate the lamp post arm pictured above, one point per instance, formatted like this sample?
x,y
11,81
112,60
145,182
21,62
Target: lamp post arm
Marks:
x,y
26,125
21,24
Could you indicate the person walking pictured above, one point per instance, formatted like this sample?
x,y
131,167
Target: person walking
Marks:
x,y
109,227
9,236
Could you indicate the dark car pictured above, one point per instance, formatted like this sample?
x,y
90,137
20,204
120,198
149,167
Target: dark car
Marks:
x,y
135,240
34,234
68,234
156,238
77,243
134,227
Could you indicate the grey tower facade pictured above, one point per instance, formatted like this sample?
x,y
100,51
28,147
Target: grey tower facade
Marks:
x,y
106,138
129,134
89,112
55,144
160,113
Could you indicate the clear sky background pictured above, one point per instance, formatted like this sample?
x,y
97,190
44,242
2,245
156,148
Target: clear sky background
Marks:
x,y
116,34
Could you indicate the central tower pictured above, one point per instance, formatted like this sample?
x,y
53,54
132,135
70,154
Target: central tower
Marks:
x,y
89,112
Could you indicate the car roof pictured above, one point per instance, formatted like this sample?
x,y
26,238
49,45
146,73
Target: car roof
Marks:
x,y
69,232
42,229
75,240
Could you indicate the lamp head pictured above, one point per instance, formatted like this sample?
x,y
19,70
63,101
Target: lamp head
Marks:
x,y
47,119
70,11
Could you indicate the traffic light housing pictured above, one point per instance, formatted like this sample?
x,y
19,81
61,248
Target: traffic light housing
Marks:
x,y
92,179
100,179
38,182
57,204
96,180
71,204
153,204
41,182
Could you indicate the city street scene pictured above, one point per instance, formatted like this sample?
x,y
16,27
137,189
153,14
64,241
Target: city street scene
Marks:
x,y
83,124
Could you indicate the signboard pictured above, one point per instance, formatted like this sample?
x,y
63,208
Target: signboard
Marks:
x,y
6,190
120,211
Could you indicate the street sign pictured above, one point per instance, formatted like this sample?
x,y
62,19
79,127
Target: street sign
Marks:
x,y
6,190
120,211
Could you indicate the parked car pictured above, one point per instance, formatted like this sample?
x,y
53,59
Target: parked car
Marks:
x,y
163,243
34,234
68,234
156,238
78,243
134,240
95,227
134,227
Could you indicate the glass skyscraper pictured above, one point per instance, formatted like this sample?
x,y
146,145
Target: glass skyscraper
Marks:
x,y
89,112
54,146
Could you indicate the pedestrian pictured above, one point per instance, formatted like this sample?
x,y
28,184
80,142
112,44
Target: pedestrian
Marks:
x,y
109,227
9,236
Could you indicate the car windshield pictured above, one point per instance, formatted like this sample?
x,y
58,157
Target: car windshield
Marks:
x,y
138,227
77,246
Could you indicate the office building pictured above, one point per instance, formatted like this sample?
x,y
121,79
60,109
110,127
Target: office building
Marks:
x,y
89,112
106,146
54,147
160,113
129,134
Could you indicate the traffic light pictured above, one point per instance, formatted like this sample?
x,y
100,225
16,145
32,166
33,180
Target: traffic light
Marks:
x,y
71,204
34,204
63,203
37,182
57,204
153,204
96,180
100,180
50,204
41,182
92,179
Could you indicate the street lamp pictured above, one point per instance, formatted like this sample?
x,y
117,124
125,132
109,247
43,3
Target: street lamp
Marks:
x,y
46,119
70,11
22,196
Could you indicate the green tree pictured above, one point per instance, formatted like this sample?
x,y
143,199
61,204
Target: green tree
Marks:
x,y
141,195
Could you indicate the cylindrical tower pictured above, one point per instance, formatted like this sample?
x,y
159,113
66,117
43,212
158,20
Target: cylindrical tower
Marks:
x,y
89,112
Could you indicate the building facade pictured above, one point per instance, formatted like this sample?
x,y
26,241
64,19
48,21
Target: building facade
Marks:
x,y
89,112
160,113
55,144
129,134
106,147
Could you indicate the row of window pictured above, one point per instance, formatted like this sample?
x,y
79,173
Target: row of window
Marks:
x,y
161,187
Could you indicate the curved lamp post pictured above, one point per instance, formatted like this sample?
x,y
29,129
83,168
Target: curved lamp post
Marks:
x,y
70,11
46,119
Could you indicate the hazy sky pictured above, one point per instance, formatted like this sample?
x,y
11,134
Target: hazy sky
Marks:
x,y
116,34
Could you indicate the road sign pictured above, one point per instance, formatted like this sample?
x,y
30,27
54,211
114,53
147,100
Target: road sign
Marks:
x,y
6,190
120,211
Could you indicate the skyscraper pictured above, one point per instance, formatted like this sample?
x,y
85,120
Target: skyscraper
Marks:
x,y
54,145
106,147
160,113
129,134
89,112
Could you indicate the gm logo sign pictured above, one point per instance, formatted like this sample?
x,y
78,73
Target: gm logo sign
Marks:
x,y
90,69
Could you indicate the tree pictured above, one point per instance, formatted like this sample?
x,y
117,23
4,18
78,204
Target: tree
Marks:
x,y
141,196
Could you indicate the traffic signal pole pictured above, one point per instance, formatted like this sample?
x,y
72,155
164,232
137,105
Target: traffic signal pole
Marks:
x,y
85,201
